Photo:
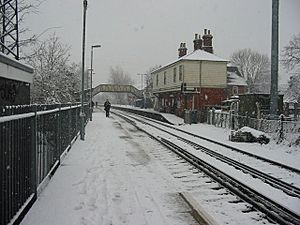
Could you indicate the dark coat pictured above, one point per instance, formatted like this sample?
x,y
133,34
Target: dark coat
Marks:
x,y
107,106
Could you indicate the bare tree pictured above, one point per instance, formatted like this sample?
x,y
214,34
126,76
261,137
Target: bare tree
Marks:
x,y
149,78
291,54
55,79
293,92
26,40
291,62
119,76
255,68
25,9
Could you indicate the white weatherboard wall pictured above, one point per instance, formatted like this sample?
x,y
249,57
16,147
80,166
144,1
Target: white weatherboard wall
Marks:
x,y
14,70
208,74
169,77
214,74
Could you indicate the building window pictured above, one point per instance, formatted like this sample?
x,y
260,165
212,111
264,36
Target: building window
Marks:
x,y
174,74
165,77
235,90
180,72
156,80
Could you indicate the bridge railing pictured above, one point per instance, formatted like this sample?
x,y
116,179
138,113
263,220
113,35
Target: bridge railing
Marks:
x,y
31,147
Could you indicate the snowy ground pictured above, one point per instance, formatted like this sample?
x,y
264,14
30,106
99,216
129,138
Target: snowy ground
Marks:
x,y
110,179
278,152
120,176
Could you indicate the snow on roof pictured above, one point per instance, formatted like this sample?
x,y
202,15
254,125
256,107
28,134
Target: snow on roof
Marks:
x,y
230,64
16,63
234,79
203,56
199,55
13,69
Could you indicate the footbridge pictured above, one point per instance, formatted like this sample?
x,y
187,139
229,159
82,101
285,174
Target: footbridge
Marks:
x,y
119,88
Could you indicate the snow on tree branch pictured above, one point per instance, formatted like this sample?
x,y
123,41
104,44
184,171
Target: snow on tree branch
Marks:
x,y
56,79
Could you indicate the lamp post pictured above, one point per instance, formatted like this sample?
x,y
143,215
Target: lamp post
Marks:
x,y
91,90
142,86
82,114
142,80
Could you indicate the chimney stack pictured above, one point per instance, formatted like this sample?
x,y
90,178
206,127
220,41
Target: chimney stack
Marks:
x,y
207,41
197,42
182,50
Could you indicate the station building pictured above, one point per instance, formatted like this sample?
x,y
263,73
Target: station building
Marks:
x,y
195,80
15,81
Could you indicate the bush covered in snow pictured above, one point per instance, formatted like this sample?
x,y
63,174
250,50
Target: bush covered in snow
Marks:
x,y
247,134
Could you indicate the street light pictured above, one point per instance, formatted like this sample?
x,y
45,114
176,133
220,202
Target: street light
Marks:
x,y
142,86
142,80
82,114
91,91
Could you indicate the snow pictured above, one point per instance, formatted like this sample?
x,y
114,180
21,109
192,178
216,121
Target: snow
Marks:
x,y
203,56
13,69
280,153
234,79
173,119
255,133
109,179
118,175
199,54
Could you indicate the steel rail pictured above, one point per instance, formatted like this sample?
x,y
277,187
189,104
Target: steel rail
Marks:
x,y
284,186
292,169
272,209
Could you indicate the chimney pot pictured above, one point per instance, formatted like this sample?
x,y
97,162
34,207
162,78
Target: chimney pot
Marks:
x,y
196,36
207,41
182,51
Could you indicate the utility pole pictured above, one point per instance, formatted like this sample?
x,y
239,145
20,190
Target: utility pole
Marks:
x,y
142,79
142,87
274,59
82,114
91,90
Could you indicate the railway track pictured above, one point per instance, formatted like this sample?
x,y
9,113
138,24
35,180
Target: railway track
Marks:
x,y
274,210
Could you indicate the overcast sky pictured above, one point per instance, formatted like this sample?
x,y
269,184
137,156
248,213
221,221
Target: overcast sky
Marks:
x,y
139,34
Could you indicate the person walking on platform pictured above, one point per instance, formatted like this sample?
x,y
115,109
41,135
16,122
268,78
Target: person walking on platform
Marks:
x,y
107,107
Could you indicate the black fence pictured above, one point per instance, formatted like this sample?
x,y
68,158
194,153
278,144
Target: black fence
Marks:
x,y
32,141
233,121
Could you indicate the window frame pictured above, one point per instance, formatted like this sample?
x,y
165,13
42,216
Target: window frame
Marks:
x,y
181,72
174,74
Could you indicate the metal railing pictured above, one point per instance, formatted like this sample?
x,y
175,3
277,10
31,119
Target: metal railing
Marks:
x,y
31,145
233,121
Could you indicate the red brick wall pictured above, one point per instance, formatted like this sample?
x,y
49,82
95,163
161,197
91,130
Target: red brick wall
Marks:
x,y
211,96
207,97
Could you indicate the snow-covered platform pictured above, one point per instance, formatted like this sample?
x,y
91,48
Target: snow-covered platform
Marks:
x,y
110,178
116,176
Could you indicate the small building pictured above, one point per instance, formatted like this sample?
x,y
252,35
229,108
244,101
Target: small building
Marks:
x,y
194,80
236,84
257,104
15,81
